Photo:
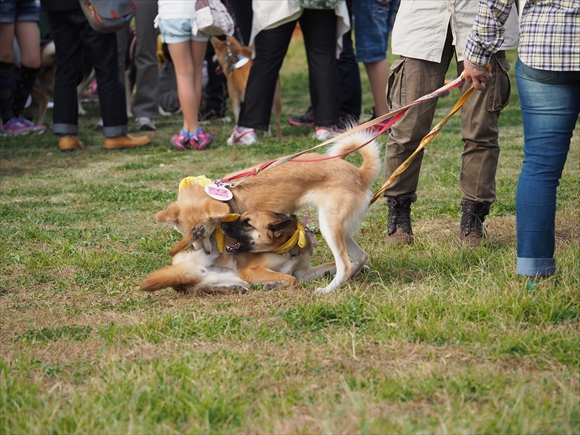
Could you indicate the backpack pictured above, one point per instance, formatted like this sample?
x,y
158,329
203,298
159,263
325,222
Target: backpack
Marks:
x,y
108,16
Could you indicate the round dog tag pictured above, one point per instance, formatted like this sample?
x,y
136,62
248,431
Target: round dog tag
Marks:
x,y
242,60
218,192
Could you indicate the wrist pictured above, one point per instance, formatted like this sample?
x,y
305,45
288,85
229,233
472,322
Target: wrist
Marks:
x,y
475,66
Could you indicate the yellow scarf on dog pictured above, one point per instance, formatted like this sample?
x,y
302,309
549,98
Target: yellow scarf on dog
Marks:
x,y
299,237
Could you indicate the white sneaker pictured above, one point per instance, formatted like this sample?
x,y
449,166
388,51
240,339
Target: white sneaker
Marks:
x,y
324,133
145,123
243,136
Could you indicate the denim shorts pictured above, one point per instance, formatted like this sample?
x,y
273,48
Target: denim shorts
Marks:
x,y
179,30
18,10
373,23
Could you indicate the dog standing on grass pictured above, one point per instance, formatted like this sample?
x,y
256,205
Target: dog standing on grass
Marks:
x,y
228,54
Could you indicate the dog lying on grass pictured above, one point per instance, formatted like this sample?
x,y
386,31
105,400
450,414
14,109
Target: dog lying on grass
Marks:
x,y
272,250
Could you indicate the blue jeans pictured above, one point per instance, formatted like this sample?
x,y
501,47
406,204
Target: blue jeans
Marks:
x,y
373,23
550,102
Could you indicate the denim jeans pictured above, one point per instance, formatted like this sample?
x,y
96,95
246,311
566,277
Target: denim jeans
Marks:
x,y
550,102
73,34
373,23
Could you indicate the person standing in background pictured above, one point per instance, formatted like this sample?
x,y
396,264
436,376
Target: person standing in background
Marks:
x,y
548,80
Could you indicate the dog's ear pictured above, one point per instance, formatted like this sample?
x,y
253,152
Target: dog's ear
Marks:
x,y
280,224
170,215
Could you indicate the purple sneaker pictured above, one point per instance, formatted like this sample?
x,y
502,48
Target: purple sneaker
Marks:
x,y
201,140
34,128
181,141
14,127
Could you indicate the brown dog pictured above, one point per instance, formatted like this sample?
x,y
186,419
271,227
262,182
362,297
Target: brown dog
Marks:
x,y
43,88
202,264
337,188
227,53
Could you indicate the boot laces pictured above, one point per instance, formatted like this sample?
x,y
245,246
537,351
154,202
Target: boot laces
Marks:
x,y
471,222
399,217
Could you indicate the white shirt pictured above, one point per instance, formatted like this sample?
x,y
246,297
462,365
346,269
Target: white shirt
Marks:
x,y
269,14
421,28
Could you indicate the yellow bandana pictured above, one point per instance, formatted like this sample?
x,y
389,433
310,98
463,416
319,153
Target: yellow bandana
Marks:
x,y
299,237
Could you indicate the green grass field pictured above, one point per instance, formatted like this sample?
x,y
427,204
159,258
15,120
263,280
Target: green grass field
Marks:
x,y
435,338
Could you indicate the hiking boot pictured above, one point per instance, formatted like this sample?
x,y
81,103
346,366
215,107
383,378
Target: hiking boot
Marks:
x,y
69,143
126,141
399,230
201,140
471,230
243,136
306,119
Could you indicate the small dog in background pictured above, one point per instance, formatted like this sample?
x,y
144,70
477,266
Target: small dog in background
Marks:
x,y
235,61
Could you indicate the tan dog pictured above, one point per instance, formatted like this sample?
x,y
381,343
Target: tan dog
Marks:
x,y
272,249
200,264
337,188
227,53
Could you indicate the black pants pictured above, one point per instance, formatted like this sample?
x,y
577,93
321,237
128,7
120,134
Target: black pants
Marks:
x,y
319,30
73,34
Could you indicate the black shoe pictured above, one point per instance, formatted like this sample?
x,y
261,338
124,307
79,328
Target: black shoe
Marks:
x,y
471,230
206,116
306,119
399,222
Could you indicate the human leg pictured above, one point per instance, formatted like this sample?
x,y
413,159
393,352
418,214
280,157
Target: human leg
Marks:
x,y
480,131
319,30
550,103
349,77
146,97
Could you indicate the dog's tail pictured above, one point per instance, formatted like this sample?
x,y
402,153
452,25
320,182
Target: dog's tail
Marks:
x,y
177,276
371,166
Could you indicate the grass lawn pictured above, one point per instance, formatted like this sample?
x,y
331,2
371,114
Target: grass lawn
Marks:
x,y
435,338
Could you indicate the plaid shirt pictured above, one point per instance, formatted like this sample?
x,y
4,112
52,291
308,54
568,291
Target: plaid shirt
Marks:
x,y
549,33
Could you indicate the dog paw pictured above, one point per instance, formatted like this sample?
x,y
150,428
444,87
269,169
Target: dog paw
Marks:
x,y
198,232
272,285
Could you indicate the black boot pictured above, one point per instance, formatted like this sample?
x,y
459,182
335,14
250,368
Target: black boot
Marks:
x,y
471,229
399,222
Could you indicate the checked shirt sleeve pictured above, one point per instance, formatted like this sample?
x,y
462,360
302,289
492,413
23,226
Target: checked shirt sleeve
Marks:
x,y
487,34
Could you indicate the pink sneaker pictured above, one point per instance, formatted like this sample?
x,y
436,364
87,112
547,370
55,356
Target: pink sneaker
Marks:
x,y
325,133
201,140
34,128
181,140
14,127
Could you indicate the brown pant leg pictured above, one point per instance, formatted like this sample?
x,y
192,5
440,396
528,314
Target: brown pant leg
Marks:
x,y
409,80
479,121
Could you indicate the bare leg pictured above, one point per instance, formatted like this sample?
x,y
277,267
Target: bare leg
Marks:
x,y
378,73
29,43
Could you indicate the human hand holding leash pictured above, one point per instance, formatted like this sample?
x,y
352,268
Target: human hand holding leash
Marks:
x,y
479,77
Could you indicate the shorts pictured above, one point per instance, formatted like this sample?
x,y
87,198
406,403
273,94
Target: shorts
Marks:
x,y
179,30
373,23
12,11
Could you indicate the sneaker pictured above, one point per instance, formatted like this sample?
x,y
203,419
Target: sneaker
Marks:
x,y
34,128
181,140
325,133
243,136
14,127
306,119
201,140
399,231
145,123
208,116
471,228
